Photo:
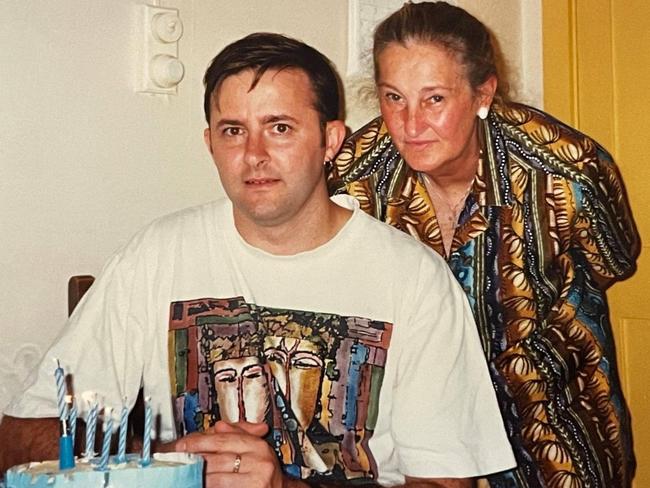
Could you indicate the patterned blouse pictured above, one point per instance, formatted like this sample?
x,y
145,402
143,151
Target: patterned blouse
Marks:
x,y
545,228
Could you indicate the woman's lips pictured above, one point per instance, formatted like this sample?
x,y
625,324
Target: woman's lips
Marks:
x,y
418,144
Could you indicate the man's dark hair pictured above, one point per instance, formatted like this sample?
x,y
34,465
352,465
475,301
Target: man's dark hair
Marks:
x,y
264,51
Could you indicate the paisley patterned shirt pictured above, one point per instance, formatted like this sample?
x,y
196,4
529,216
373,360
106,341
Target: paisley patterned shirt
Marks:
x,y
545,228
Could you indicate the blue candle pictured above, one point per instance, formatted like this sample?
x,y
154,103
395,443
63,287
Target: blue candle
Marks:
x,y
106,445
148,424
66,441
91,424
66,452
121,446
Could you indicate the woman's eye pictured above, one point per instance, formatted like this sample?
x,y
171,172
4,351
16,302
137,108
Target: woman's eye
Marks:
x,y
437,98
393,97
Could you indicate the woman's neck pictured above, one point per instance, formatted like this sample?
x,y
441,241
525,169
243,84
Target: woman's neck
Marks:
x,y
451,186
455,177
448,192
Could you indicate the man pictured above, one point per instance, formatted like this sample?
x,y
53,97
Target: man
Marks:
x,y
285,356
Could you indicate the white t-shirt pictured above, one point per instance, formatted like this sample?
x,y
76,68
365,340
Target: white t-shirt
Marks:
x,y
366,336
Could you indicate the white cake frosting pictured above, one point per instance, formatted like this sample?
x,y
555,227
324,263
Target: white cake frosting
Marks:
x,y
167,470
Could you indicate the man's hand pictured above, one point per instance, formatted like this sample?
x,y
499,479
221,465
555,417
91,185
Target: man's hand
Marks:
x,y
258,465
439,483
235,455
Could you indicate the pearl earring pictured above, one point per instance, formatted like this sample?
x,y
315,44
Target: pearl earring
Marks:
x,y
482,113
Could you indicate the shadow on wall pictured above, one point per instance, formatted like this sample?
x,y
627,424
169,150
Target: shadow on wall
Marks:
x,y
17,367
361,101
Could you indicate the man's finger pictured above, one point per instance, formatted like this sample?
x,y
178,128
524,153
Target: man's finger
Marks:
x,y
255,429
226,462
237,441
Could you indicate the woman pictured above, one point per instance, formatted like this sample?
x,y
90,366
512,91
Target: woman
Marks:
x,y
532,219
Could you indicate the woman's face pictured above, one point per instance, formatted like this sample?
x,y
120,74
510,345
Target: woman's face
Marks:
x,y
429,107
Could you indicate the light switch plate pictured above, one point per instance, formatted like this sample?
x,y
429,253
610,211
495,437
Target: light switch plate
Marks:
x,y
160,29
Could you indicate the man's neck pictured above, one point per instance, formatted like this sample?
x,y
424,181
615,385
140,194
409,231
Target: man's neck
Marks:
x,y
314,228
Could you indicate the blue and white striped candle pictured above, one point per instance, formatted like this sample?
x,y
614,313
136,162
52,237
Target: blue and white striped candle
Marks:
x,y
106,445
72,416
59,376
148,425
124,421
91,424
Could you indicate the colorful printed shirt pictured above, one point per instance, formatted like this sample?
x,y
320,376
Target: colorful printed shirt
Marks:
x,y
544,229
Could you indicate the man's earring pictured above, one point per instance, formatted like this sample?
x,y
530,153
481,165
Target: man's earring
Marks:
x,y
482,113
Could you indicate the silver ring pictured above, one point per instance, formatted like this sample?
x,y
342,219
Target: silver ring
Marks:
x,y
236,464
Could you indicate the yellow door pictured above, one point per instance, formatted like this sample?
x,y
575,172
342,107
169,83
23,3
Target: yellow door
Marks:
x,y
597,78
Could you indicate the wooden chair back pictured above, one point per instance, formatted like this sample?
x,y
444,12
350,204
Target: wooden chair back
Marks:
x,y
77,287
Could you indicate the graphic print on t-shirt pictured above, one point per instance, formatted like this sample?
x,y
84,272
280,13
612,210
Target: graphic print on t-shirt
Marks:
x,y
313,377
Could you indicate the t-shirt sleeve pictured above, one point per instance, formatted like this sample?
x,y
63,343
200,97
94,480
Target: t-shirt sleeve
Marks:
x,y
445,418
100,347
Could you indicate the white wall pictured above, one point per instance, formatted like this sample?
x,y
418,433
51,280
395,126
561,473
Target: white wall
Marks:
x,y
85,161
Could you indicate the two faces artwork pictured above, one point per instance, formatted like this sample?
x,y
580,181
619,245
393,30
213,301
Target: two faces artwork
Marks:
x,y
300,372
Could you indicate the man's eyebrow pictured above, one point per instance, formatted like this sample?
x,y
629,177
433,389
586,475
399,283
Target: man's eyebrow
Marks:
x,y
271,119
223,122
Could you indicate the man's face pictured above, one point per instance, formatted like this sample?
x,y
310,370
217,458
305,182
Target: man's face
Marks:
x,y
269,147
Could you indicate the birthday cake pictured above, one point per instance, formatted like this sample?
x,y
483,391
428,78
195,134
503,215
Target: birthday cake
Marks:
x,y
166,470
162,470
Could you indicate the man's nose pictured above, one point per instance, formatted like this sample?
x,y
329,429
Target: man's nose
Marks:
x,y
256,153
